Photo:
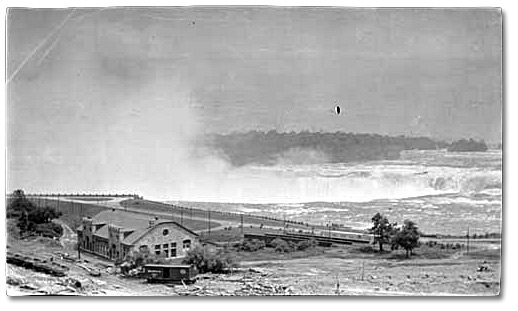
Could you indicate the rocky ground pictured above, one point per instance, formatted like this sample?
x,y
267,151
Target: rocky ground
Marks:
x,y
333,271
322,275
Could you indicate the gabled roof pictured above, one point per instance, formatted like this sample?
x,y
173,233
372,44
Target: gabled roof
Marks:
x,y
135,223
137,234
123,219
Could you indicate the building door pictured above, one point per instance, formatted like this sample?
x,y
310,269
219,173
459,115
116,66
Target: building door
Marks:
x,y
112,251
167,273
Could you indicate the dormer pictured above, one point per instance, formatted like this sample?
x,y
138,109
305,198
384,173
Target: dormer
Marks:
x,y
87,224
115,232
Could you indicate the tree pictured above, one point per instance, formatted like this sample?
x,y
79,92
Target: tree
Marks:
x,y
30,219
382,230
407,237
19,204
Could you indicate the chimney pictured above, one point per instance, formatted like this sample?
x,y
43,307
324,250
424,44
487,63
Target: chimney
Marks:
x,y
151,223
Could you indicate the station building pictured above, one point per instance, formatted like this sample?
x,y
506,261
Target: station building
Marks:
x,y
114,234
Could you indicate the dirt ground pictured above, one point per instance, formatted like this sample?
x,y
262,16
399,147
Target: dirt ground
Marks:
x,y
327,271
337,276
336,272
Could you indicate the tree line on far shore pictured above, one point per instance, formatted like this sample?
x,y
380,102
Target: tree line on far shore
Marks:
x,y
468,145
338,147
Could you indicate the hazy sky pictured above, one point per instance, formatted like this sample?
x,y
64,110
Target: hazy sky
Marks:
x,y
104,85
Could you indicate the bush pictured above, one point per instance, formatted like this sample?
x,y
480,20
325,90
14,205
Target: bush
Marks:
x,y
281,246
367,249
206,260
50,230
252,245
137,259
303,245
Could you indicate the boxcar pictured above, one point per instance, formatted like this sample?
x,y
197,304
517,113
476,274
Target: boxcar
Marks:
x,y
156,273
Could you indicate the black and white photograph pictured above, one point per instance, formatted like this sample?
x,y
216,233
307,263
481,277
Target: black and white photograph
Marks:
x,y
253,151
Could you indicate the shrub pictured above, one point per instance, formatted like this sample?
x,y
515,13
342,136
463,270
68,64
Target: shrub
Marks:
x,y
206,260
281,246
303,245
50,230
137,259
366,249
252,245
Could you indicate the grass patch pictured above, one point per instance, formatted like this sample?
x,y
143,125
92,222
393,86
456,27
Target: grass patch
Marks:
x,y
90,199
189,212
227,235
269,253
73,212
484,254
423,252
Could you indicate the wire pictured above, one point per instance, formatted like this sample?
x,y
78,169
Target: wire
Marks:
x,y
39,46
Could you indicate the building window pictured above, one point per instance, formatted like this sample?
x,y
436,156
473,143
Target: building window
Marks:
x,y
165,232
186,244
157,247
173,249
157,252
165,246
166,253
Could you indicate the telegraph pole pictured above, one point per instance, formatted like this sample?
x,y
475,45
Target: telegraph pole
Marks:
x,y
181,216
78,250
363,269
467,247
242,226
209,221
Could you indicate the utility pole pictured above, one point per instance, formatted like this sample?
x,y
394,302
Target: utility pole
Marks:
x,y
242,226
363,269
209,221
181,216
467,247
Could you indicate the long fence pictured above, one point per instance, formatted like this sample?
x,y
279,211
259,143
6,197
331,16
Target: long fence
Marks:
x,y
84,195
184,213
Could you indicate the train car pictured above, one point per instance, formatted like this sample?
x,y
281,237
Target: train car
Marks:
x,y
156,273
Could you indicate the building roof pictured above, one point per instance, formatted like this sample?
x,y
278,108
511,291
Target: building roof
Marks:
x,y
136,224
123,219
167,266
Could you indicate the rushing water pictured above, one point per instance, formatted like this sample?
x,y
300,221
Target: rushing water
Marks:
x,y
443,192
